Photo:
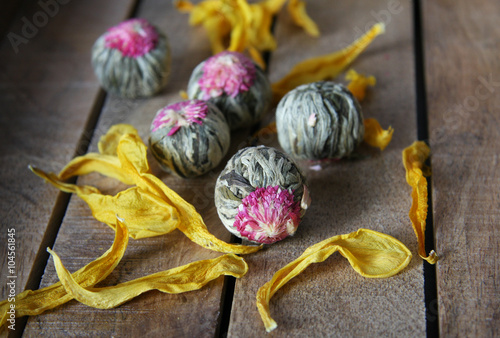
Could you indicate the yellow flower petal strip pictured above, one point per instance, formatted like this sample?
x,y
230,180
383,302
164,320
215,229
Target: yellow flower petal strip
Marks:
x,y
247,26
358,83
326,66
149,206
297,10
260,32
239,16
185,278
414,158
31,303
372,254
375,136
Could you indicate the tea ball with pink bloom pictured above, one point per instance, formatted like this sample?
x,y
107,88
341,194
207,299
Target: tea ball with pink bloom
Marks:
x,y
189,138
235,84
261,195
132,59
320,120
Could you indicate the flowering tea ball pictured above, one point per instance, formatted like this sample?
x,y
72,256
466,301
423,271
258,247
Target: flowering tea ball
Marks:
x,y
320,120
235,84
189,138
261,195
132,59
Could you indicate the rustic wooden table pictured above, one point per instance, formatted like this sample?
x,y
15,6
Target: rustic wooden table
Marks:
x,y
438,73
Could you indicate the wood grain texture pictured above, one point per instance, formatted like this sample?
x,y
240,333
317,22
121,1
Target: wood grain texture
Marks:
x,y
81,238
330,299
47,93
463,86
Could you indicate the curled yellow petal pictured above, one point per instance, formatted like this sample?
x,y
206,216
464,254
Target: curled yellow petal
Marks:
x,y
375,136
108,143
414,158
217,28
297,10
326,66
260,28
185,278
149,206
358,83
31,303
246,26
238,13
372,254
107,165
146,214
106,161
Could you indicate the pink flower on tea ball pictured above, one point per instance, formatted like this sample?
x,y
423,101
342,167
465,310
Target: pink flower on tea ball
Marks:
x,y
179,115
229,73
133,38
268,215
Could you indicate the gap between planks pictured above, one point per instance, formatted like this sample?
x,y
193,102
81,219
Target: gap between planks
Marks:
x,y
430,283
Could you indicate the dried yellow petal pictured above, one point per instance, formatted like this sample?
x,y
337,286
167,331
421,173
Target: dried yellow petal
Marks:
x,y
108,143
414,158
31,303
372,254
273,6
260,29
246,26
185,278
146,214
326,66
150,207
297,10
106,164
208,13
358,83
217,28
238,13
375,136
256,57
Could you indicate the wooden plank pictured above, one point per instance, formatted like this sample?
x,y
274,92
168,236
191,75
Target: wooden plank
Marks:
x,y
330,299
82,239
7,13
47,95
463,80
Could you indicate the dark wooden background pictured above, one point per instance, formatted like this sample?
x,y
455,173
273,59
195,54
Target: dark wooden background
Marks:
x,y
438,79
